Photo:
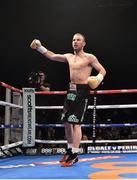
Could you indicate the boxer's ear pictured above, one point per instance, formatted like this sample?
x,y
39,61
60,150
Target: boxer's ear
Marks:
x,y
84,44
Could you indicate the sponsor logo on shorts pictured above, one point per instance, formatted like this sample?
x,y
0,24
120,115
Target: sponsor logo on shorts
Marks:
x,y
71,96
73,118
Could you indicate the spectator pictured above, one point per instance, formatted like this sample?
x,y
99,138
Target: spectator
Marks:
x,y
38,80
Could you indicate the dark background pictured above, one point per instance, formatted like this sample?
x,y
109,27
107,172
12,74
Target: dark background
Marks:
x,y
110,27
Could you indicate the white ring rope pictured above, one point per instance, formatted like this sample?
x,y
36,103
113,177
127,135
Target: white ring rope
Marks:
x,y
85,141
120,106
8,146
3,103
91,107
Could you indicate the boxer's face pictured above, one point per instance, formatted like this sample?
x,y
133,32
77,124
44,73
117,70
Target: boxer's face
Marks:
x,y
78,42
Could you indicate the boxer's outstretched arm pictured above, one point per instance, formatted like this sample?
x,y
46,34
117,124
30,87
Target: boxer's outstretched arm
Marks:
x,y
36,44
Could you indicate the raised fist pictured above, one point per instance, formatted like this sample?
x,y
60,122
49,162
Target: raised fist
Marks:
x,y
35,44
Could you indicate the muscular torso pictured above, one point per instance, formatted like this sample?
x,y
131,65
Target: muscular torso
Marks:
x,y
80,68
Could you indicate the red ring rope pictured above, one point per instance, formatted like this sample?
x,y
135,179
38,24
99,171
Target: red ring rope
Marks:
x,y
117,91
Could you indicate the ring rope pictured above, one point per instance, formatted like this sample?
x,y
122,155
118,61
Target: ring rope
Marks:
x,y
91,107
8,146
90,125
10,87
3,103
85,141
118,91
2,126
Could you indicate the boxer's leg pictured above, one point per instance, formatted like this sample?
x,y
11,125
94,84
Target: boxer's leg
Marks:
x,y
73,157
77,135
69,137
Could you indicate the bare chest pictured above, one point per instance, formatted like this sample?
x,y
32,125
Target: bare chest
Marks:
x,y
77,62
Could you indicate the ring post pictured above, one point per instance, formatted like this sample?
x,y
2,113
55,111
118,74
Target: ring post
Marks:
x,y
7,117
28,117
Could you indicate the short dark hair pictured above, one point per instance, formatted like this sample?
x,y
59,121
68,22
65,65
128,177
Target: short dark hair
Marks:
x,y
81,35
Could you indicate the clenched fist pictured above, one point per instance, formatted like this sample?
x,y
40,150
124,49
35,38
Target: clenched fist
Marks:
x,y
35,44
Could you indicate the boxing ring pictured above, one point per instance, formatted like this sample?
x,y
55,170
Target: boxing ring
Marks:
x,y
25,156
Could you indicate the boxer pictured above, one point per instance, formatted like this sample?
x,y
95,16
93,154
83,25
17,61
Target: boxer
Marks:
x,y
80,65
